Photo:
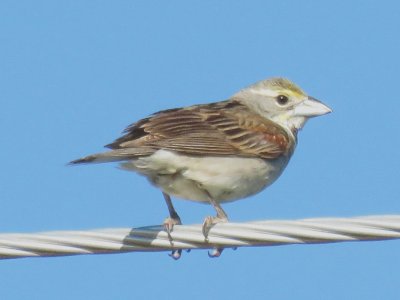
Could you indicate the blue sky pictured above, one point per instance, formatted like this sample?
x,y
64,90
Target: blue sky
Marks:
x,y
73,74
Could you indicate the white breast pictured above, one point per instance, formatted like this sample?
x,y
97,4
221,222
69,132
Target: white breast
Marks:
x,y
224,178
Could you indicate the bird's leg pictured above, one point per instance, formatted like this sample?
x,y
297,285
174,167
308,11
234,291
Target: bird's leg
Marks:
x,y
173,218
211,221
169,223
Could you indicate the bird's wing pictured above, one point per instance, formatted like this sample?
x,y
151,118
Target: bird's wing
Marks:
x,y
219,129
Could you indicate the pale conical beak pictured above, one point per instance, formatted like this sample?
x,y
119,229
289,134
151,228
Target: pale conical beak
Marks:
x,y
311,107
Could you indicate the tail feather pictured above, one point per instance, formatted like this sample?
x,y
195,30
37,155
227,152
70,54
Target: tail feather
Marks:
x,y
113,156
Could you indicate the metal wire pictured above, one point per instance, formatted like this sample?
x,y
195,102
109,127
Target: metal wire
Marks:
x,y
224,235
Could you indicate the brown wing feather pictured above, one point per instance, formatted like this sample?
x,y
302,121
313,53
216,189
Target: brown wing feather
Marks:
x,y
222,128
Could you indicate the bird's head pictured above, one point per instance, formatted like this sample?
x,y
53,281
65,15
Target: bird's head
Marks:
x,y
281,101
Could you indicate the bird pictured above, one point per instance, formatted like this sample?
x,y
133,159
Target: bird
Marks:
x,y
217,152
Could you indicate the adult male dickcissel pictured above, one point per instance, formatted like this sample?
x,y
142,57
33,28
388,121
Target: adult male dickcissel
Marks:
x,y
217,152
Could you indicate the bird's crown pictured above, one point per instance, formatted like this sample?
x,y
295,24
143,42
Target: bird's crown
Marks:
x,y
278,85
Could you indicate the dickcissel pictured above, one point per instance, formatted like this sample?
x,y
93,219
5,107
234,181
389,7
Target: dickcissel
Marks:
x,y
217,152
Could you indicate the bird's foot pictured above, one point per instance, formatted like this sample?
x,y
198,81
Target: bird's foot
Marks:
x,y
210,222
169,224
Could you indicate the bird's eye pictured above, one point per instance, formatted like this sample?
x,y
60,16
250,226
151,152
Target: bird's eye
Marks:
x,y
282,99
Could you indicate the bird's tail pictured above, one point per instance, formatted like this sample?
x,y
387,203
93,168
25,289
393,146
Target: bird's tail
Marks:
x,y
113,156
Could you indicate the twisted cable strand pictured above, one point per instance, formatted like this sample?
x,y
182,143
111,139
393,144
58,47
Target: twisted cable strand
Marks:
x,y
224,235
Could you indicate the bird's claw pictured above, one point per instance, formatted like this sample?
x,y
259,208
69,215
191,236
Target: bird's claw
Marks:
x,y
216,252
210,222
176,254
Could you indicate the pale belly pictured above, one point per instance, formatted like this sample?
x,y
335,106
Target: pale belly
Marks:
x,y
195,178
